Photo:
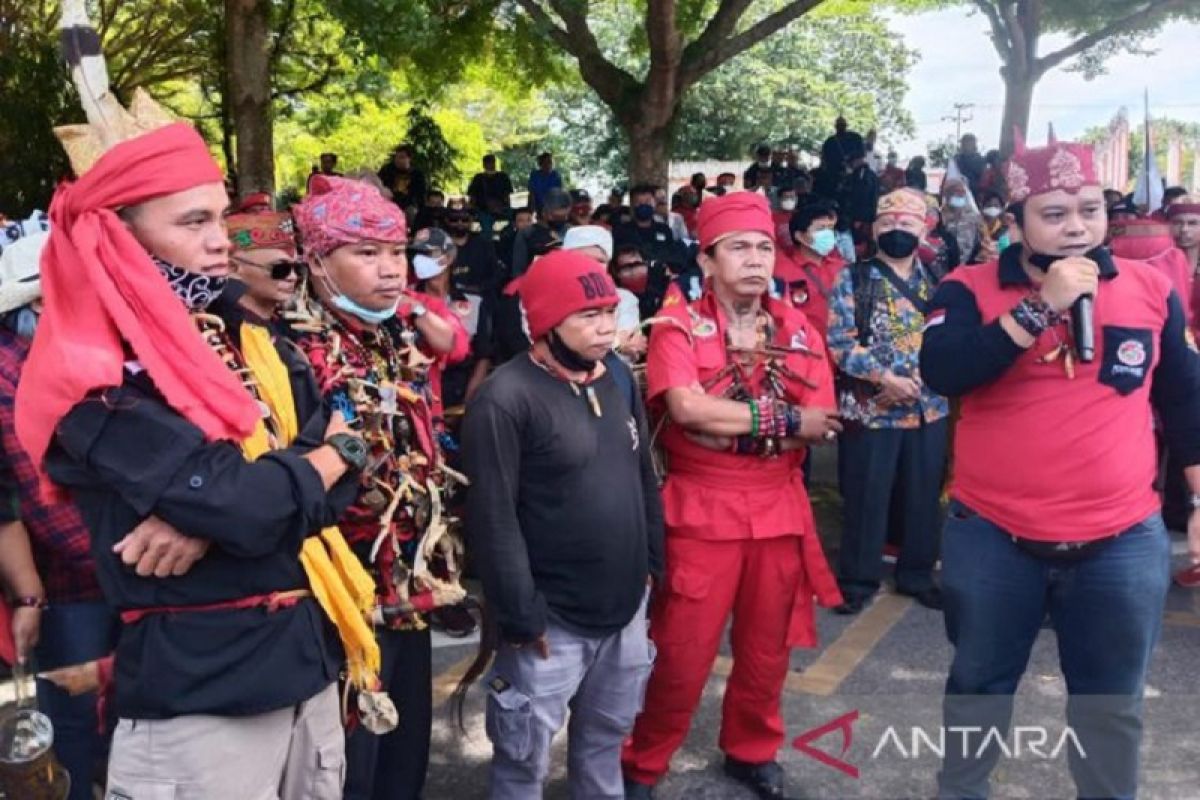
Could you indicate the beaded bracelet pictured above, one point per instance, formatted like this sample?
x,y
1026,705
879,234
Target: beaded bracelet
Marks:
x,y
754,418
1034,316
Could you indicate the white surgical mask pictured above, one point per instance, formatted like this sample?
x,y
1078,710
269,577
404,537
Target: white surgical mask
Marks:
x,y
787,205
991,212
426,267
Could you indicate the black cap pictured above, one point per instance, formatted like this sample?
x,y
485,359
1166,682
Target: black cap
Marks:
x,y
580,196
428,241
556,199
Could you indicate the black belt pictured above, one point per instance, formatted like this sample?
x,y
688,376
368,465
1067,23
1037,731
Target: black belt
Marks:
x,y
1064,551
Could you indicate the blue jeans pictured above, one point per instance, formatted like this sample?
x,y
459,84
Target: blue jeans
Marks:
x,y
1106,610
75,633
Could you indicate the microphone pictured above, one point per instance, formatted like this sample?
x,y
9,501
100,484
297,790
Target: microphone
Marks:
x,y
1082,328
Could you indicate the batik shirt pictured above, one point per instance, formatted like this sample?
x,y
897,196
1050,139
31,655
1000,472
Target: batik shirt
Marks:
x,y
894,344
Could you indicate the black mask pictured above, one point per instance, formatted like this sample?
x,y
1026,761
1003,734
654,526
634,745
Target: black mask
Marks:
x,y
1044,262
898,244
568,357
197,291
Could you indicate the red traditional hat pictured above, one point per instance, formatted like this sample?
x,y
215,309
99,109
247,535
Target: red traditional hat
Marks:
x,y
733,213
1188,204
1041,170
266,230
559,284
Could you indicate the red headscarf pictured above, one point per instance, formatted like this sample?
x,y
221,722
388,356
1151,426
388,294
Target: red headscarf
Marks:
x,y
102,292
733,213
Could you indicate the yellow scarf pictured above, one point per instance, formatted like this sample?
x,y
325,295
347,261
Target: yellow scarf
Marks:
x,y
337,578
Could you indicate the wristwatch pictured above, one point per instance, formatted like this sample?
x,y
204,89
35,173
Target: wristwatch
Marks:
x,y
417,310
350,448
1194,502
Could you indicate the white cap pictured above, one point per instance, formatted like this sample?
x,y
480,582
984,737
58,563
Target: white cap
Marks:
x,y
20,266
582,236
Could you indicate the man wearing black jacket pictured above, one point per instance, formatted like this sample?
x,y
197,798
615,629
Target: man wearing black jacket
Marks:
x,y
565,523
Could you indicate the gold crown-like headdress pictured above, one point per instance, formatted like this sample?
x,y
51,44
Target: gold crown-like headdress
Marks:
x,y
108,123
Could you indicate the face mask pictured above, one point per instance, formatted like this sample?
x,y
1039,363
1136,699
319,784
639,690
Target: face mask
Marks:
x,y
22,322
1003,242
643,212
426,267
824,241
195,290
787,205
343,303
764,164
898,244
635,280
958,202
568,357
991,212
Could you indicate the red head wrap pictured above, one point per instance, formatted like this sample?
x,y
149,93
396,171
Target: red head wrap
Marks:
x,y
733,213
1188,204
559,284
102,291
267,230
341,211
1041,170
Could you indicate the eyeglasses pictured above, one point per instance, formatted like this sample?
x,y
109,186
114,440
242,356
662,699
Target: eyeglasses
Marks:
x,y
280,270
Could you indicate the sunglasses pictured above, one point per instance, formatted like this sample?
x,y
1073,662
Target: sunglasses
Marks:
x,y
280,270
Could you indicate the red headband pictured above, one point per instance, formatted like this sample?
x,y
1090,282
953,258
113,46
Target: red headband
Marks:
x,y
102,292
733,213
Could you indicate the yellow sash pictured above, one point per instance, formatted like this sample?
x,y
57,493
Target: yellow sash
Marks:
x,y
338,580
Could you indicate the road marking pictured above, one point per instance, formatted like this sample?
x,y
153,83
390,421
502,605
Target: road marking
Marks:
x,y
844,654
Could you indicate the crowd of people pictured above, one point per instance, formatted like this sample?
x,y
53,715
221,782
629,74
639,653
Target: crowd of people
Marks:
x,y
248,455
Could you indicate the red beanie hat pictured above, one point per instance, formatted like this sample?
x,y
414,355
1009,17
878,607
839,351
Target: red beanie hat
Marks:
x,y
733,213
559,284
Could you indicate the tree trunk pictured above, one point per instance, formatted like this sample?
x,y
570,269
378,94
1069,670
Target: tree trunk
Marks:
x,y
1018,97
247,32
649,154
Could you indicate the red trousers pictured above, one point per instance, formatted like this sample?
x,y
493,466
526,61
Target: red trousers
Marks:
x,y
756,580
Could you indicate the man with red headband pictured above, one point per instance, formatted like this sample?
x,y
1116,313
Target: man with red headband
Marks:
x,y
1053,512
565,525
1183,215
196,467
745,385
371,345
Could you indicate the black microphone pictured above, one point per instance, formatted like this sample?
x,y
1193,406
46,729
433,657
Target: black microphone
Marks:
x,y
1082,328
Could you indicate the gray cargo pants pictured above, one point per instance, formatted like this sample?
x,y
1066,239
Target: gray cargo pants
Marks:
x,y
600,680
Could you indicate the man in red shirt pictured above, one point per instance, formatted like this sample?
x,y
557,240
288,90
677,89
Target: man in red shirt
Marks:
x,y
745,385
1053,510
810,267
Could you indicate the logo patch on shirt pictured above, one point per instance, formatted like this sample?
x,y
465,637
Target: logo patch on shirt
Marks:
x,y
934,319
799,340
704,328
1131,353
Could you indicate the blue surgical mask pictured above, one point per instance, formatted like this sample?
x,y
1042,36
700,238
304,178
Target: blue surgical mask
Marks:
x,y
824,241
343,303
643,212
1003,242
958,201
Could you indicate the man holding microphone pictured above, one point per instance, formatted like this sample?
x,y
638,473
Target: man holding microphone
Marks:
x,y
1053,510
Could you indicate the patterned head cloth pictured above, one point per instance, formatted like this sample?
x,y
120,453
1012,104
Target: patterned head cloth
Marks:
x,y
902,203
1041,170
339,211
267,230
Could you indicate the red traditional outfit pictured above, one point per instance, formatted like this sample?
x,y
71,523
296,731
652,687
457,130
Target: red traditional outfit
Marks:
x,y
1150,241
809,282
740,535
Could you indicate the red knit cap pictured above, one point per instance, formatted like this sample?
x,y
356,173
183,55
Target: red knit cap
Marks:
x,y
733,213
559,284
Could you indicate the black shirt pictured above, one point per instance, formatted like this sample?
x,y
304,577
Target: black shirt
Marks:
x,y
490,192
476,269
563,517
408,187
125,455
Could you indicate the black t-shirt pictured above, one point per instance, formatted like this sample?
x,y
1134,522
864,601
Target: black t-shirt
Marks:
x,y
491,192
563,517
476,269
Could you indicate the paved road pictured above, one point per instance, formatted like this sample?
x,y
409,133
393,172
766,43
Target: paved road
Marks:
x,y
889,666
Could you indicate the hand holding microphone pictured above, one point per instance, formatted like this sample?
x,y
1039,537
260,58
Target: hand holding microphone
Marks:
x,y
1072,283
